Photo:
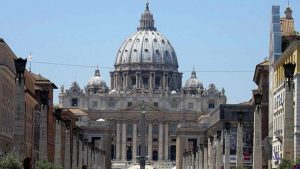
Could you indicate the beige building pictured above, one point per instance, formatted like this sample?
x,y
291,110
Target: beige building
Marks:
x,y
146,71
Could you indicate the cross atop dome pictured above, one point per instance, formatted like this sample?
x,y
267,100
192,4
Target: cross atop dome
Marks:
x,y
147,21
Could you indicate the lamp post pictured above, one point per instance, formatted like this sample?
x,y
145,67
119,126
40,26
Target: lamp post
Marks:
x,y
239,149
288,124
143,147
19,115
227,145
257,142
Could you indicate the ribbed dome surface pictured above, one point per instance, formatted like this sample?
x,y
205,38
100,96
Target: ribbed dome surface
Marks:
x,y
147,46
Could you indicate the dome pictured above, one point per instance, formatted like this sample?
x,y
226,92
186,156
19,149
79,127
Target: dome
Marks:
x,y
147,46
96,83
193,82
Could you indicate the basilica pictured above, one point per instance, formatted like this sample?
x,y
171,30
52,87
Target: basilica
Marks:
x,y
146,71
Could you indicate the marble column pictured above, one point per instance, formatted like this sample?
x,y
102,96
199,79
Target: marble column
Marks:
x,y
160,141
210,153
197,159
118,141
183,161
43,141
150,141
57,157
19,118
205,158
75,152
227,151
239,148
288,125
218,153
257,145
124,138
67,159
166,134
201,158
134,143
80,154
192,160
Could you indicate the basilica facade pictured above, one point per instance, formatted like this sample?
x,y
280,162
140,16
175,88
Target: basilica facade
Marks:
x,y
145,74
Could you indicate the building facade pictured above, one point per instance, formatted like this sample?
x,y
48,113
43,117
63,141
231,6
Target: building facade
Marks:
x,y
284,103
7,96
146,74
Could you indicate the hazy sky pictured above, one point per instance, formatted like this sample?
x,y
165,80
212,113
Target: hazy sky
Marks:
x,y
211,35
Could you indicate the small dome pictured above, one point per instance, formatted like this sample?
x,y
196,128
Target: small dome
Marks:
x,y
113,92
96,84
193,82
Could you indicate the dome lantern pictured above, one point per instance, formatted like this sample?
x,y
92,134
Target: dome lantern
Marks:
x,y
147,21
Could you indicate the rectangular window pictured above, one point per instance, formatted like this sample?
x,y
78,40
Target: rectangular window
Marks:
x,y
211,104
155,104
74,102
191,106
129,104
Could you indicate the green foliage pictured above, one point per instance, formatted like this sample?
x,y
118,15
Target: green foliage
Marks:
x,y
285,164
45,165
297,162
10,161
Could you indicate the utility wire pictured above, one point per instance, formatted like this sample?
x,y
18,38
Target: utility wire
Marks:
x,y
107,67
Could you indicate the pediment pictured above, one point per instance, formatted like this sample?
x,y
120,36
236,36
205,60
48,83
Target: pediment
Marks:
x,y
138,107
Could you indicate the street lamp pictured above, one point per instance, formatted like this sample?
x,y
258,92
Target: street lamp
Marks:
x,y
257,141
20,65
289,70
143,147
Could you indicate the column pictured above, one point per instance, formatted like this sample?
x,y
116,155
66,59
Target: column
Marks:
x,y
134,144
227,150
192,160
197,159
210,153
257,145
205,159
43,142
218,153
118,141
288,125
75,151
164,80
166,157
239,148
160,141
150,141
80,154
57,156
124,137
19,121
137,80
67,159
183,161
201,158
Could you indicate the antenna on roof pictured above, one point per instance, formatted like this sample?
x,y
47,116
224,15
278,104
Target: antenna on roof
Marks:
x,y
30,60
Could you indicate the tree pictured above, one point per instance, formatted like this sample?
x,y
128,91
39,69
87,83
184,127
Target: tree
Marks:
x,y
10,161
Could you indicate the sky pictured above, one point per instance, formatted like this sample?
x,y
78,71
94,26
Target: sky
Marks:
x,y
222,40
